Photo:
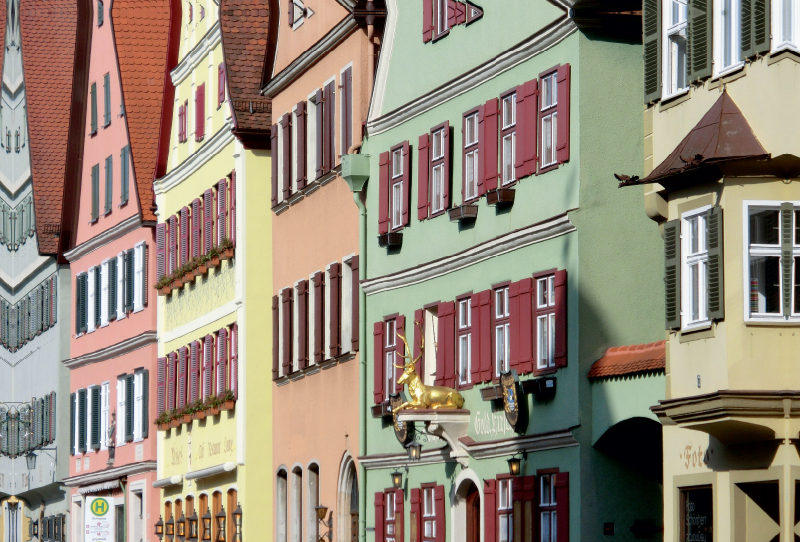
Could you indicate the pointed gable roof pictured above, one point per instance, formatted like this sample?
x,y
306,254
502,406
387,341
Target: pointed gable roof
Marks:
x,y
722,135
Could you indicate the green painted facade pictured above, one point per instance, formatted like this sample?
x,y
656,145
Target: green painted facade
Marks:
x,y
613,257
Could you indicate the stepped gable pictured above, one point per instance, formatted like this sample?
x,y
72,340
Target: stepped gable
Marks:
x,y
146,54
248,36
628,360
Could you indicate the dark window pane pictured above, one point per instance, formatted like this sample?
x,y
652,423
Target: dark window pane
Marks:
x,y
765,285
765,227
698,514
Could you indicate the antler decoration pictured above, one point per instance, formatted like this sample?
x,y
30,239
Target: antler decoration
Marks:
x,y
408,350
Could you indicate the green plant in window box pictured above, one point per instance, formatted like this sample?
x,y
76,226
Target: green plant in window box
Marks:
x,y
228,400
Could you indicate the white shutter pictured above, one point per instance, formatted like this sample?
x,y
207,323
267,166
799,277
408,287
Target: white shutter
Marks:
x,y
104,294
104,415
120,421
90,303
138,265
137,405
120,286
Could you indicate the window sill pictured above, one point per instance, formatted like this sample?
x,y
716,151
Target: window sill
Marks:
x,y
729,71
698,326
773,321
783,53
675,95
463,213
545,169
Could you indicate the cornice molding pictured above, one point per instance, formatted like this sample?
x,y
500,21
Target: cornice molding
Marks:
x,y
329,41
199,322
222,468
110,474
539,42
535,233
212,38
113,351
392,461
215,144
112,234
509,446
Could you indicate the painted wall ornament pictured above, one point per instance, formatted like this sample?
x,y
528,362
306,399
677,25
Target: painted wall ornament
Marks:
x,y
404,431
512,405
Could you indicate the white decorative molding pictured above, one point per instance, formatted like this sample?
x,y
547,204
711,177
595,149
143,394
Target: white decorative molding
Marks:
x,y
451,425
215,144
401,460
110,474
535,233
539,42
171,481
113,351
509,446
302,63
230,466
193,59
111,234
97,488
39,262
197,323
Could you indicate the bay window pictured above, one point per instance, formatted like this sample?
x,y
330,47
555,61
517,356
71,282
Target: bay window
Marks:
x,y
695,268
438,174
545,322
470,157
549,115
509,137
675,38
502,331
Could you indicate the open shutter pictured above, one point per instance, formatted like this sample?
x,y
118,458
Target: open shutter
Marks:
x,y
527,129
482,327
112,289
52,417
562,506
161,247
145,403
81,421
651,21
208,368
3,418
208,220
415,516
335,288
562,135
445,347
302,323
447,151
383,193
130,275
200,113
672,273
184,241
520,304
380,517
94,435
787,259
222,360
560,299
273,139
759,25
329,127
220,83
232,207
286,154
427,20
524,498
172,232
477,337
319,317
423,170
490,510
347,110
222,210
197,221
318,120
377,353
171,369
286,338
233,383
98,297
355,289
182,354
406,152
419,330
716,291
161,385
129,402
275,338
194,366
399,514
94,108
300,166
488,144
701,34
400,329
439,508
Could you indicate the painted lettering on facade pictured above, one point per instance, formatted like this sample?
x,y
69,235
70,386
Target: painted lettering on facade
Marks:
x,y
694,457
491,424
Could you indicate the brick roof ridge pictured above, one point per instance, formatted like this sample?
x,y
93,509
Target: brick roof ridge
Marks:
x,y
630,359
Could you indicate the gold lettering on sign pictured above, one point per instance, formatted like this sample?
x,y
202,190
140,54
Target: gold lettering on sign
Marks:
x,y
228,445
177,456
214,448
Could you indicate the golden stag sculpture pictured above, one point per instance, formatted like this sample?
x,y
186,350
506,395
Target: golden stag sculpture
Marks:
x,y
422,396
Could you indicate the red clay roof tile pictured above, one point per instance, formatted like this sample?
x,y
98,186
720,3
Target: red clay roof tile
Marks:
x,y
626,360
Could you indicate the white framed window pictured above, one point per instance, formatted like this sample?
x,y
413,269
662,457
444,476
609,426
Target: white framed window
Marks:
x,y
105,416
727,36
545,322
138,276
296,324
505,512
391,527
785,24
138,397
674,47
121,286
91,287
438,176
120,430
464,342
397,188
428,515
509,137
89,419
502,329
547,508
104,294
549,117
76,437
431,331
470,157
694,274
390,344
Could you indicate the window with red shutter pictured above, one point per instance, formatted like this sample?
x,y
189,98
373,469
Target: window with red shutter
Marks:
x,y
439,530
399,330
184,240
549,115
427,20
471,181
197,222
194,370
275,338
208,220
441,18
544,325
319,140
335,311
208,366
547,509
393,515
286,154
383,193
377,353
501,325
302,323
220,84
503,510
200,113
490,504
329,126
355,289
527,128
161,250
300,164
399,185
464,342
524,499
319,317
286,331
560,298
186,120
419,333
440,169
173,241
487,171
562,146
273,137
423,168
222,360
508,139
171,359
182,355
445,355
234,368
389,357
562,506
520,303
232,207
222,210
346,115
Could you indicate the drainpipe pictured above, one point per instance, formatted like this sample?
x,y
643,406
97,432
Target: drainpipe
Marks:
x,y
125,510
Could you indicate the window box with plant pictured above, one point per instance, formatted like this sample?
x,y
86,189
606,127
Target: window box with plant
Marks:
x,y
195,267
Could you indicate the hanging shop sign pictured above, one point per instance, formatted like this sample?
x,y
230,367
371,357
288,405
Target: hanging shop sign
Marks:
x,y
513,407
404,431
99,519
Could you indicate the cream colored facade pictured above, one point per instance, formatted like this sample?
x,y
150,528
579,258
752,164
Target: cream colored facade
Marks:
x,y
731,418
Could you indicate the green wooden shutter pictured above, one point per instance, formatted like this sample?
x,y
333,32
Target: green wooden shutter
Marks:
x,y
95,191
701,33
145,254
652,49
81,421
107,99
714,241
98,296
760,26
124,166
129,404
4,430
112,289
109,182
787,210
45,416
51,417
94,107
94,437
71,424
84,302
129,278
100,13
672,273
145,399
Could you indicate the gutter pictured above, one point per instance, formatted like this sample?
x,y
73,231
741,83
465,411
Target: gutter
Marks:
x,y
211,471
171,481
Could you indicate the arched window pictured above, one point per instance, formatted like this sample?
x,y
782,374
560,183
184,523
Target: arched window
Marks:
x,y
297,505
347,502
281,502
313,502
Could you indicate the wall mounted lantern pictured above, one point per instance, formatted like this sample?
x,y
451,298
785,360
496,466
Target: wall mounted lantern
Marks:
x,y
181,524
414,451
237,523
397,479
207,525
220,517
160,528
193,526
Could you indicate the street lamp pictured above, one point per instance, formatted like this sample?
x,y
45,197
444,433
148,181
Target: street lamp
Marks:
x,y
193,526
237,522
220,517
514,465
207,525
397,479
181,524
322,511
414,451
160,528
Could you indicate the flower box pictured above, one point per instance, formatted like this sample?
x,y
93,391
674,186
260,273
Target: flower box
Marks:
x,y
165,290
177,283
199,414
214,261
187,418
163,426
212,411
203,269
188,277
227,405
175,422
227,254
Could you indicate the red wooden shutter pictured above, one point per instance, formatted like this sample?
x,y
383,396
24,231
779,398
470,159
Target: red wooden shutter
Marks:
x,y
383,193
161,384
527,129
194,369
233,382
490,144
347,110
562,137
318,117
490,510
319,317
300,165
486,334
222,210
461,13
478,336
523,496
275,338
446,183
286,142
302,323
200,112
560,297
197,222
232,208
399,513
184,241
180,124
451,13
208,220
335,289
161,250
208,367
377,352
273,138
438,504
328,128
171,357
406,181
520,304
562,506
181,377
380,517
222,359
445,347
427,20
355,303
400,329
423,170
286,338
171,233
419,324
415,515
220,84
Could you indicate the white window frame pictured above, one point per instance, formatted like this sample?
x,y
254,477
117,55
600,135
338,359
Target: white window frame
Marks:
x,y
687,260
396,193
121,286
547,497
389,341
471,144
464,342
138,397
89,448
296,328
90,289
779,41
510,139
344,146
428,514
549,114
120,429
105,416
279,158
429,353
670,88
311,139
138,282
736,37
546,323
766,318
391,509
437,198
281,343
104,293
346,321
505,509
76,438
505,327
440,14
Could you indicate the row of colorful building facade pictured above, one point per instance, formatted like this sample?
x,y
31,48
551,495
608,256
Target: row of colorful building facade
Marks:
x,y
251,247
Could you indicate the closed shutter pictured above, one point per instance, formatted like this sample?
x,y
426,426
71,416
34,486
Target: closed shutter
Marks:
x,y
445,347
319,317
482,334
112,289
94,436
406,153
560,299
200,112
161,385
197,222
335,289
145,403
672,274
383,193
208,367
490,510
161,248
286,153
194,369
452,13
273,138
182,354
415,516
439,508
319,121
380,517
651,21
81,421
562,506
400,330
356,289
109,188
94,108
347,111
172,233
130,275
145,272
129,404
701,33
234,371
275,338
220,83
222,210
427,20
171,370
562,135
487,145
329,127
524,500
300,164
419,332
184,240
527,129
222,360
377,353
520,303
180,124
208,220
423,170
714,241
787,259
232,207
95,191
302,323
399,513
51,418
286,337
3,418
98,297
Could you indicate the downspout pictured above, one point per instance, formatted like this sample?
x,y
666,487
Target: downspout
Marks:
x,y
359,198
125,509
